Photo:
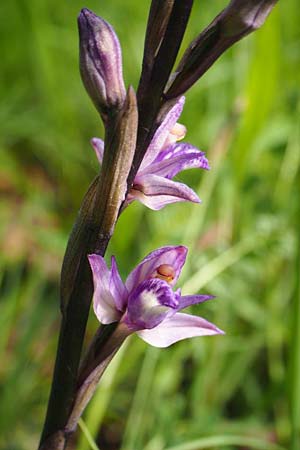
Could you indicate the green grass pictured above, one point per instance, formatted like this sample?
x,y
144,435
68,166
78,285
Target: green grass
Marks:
x,y
238,391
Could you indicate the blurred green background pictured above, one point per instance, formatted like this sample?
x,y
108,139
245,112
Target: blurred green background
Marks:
x,y
239,391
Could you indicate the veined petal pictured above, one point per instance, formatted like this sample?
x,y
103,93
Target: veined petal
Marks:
x,y
117,287
176,149
188,300
103,300
155,191
171,255
98,146
161,135
149,304
175,159
178,327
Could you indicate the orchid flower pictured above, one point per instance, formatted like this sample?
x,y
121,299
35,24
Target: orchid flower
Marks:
x,y
165,157
146,302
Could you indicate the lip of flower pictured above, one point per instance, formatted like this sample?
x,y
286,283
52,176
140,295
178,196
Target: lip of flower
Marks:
x,y
146,303
164,159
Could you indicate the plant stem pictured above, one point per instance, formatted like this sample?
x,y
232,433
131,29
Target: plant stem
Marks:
x,y
295,364
91,233
155,74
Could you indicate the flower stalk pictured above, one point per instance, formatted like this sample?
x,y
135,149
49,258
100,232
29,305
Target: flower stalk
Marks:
x,y
105,345
91,233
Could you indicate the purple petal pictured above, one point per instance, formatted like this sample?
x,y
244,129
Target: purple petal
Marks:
x,y
103,300
174,256
150,303
178,327
155,203
178,292
188,300
117,287
98,146
161,135
156,192
178,149
176,158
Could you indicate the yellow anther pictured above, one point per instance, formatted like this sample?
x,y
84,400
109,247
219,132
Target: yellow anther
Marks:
x,y
178,131
175,134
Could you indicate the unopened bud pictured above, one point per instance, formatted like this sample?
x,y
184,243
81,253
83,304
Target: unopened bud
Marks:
x,y
240,18
100,63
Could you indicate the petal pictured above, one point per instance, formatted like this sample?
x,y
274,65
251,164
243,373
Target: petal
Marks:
x,y
162,133
155,203
156,192
149,304
174,256
103,300
98,146
176,149
178,292
176,158
117,287
188,300
176,328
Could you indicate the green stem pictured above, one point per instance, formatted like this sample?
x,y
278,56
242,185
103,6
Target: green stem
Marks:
x,y
295,365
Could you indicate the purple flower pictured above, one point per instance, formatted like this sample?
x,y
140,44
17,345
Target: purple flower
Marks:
x,y
165,157
146,302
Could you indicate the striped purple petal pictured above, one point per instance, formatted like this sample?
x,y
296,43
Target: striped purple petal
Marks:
x,y
176,158
160,137
176,149
189,300
103,299
117,287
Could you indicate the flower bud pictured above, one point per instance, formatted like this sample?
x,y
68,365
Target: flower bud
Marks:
x,y
237,20
100,63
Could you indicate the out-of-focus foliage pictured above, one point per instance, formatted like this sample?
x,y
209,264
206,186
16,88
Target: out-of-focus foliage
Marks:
x,y
237,391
